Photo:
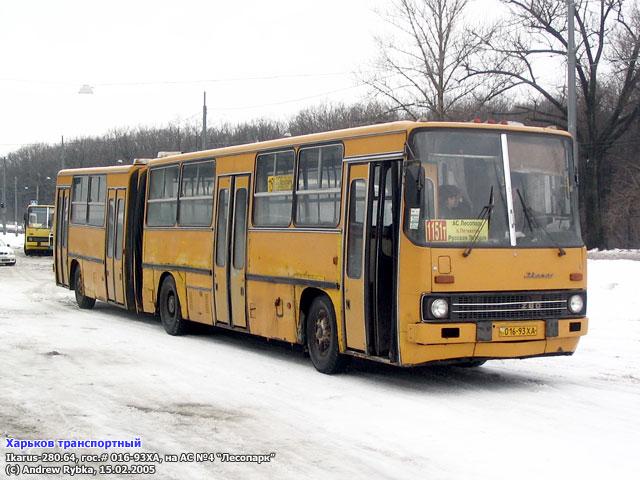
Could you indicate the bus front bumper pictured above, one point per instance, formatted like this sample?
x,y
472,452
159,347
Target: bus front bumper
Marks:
x,y
428,342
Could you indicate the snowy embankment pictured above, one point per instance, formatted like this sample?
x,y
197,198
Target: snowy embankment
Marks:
x,y
615,254
13,240
107,374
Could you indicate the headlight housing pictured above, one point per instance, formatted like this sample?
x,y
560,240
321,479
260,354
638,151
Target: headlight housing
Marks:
x,y
439,308
575,304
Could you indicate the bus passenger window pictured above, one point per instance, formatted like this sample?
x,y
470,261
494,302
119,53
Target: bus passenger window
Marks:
x,y
196,195
163,197
97,197
319,184
79,200
273,194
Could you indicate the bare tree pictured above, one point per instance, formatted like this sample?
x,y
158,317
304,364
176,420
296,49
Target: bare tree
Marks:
x,y
608,75
423,66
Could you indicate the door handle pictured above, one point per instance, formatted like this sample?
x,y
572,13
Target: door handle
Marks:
x,y
216,286
348,304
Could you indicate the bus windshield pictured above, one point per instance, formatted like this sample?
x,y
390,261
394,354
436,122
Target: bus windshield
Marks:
x,y
39,217
457,190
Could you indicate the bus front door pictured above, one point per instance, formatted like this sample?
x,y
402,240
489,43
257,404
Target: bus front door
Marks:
x,y
115,245
230,251
371,258
62,234
354,284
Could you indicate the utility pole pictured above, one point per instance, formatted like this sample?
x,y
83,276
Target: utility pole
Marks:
x,y
62,155
204,122
571,82
4,196
15,203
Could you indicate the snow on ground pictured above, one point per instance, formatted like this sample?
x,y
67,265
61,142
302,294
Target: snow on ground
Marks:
x,y
615,254
16,242
107,374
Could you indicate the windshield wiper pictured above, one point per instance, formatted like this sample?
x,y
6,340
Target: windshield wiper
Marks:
x,y
485,216
533,221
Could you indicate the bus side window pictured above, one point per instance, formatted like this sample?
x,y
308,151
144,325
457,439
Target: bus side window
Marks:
x,y
273,193
319,186
162,206
419,205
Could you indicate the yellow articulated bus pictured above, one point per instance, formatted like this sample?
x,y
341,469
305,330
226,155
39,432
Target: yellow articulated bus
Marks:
x,y
405,243
38,223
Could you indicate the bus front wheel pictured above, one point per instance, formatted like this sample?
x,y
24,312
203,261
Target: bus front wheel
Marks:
x,y
83,301
169,307
322,337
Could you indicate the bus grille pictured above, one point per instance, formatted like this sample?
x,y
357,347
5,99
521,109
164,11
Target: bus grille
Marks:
x,y
37,239
524,306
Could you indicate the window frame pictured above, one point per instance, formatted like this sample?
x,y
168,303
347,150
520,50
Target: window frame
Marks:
x,y
258,194
200,197
317,191
162,199
86,202
102,180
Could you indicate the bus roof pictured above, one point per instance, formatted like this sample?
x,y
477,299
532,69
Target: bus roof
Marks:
x,y
377,129
97,170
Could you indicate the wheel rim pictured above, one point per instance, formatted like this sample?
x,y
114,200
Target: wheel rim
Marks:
x,y
171,304
322,332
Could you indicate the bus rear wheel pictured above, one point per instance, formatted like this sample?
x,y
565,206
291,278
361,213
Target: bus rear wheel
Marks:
x,y
322,337
169,307
471,364
83,301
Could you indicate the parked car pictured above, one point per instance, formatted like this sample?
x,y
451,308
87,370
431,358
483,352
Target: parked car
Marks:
x,y
7,257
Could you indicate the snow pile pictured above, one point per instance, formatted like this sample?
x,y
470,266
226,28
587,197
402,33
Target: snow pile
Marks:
x,y
12,240
615,254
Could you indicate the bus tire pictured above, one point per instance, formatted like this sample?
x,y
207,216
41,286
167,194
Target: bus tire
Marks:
x,y
322,337
471,364
84,302
169,307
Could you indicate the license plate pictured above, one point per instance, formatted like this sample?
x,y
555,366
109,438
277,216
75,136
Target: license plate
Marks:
x,y
527,331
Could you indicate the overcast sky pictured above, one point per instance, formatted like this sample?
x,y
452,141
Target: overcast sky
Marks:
x,y
148,62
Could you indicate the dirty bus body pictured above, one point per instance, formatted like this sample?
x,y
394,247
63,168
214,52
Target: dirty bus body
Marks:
x,y
405,243
96,227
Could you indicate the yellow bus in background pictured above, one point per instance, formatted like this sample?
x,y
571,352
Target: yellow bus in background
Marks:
x,y
405,243
38,225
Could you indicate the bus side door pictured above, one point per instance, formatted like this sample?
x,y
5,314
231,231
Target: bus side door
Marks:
x,y
62,235
354,265
220,280
115,245
371,252
230,251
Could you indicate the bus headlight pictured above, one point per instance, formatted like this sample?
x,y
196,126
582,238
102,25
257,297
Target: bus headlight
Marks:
x,y
440,308
575,304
